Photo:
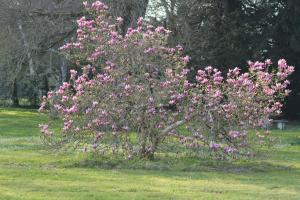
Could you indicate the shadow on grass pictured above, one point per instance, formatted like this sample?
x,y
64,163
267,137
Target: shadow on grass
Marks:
x,y
184,164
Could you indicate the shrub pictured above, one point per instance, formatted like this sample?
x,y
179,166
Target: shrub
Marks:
x,y
133,93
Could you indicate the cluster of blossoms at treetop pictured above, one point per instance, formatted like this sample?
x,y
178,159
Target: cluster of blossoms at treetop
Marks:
x,y
132,94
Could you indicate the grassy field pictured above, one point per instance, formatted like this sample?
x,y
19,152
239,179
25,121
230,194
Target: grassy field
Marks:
x,y
29,171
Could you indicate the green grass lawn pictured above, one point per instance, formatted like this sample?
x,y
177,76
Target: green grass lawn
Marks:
x,y
28,170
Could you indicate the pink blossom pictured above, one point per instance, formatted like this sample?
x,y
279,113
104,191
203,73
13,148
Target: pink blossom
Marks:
x,y
50,94
45,129
257,66
64,98
186,59
120,19
169,72
160,29
73,109
42,107
73,73
149,50
95,103
179,47
150,27
214,146
287,92
229,150
95,55
85,4
218,79
66,47
269,91
140,21
282,64
268,62
217,94
99,6
114,34
67,125
184,72
236,134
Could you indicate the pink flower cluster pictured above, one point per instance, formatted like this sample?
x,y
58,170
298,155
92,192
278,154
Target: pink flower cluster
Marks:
x,y
45,130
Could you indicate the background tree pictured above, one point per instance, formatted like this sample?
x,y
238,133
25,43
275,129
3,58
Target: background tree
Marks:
x,y
31,33
33,30
215,32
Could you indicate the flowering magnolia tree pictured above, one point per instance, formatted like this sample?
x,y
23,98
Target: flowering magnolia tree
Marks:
x,y
133,94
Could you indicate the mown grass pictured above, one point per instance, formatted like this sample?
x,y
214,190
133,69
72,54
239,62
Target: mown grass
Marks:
x,y
28,170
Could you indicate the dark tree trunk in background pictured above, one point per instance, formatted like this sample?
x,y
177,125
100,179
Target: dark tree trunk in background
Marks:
x,y
46,89
15,98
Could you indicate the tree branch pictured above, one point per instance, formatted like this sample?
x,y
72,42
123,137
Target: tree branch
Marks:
x,y
55,14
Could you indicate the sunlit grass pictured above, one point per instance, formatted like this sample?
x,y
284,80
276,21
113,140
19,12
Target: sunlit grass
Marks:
x,y
28,170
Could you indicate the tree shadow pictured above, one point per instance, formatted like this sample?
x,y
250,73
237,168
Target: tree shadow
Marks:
x,y
182,164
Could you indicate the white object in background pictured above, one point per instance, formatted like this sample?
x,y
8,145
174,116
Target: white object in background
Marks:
x,y
281,124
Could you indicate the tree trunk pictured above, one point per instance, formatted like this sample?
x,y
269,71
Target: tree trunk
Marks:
x,y
32,73
15,98
46,88
27,48
142,141
63,72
